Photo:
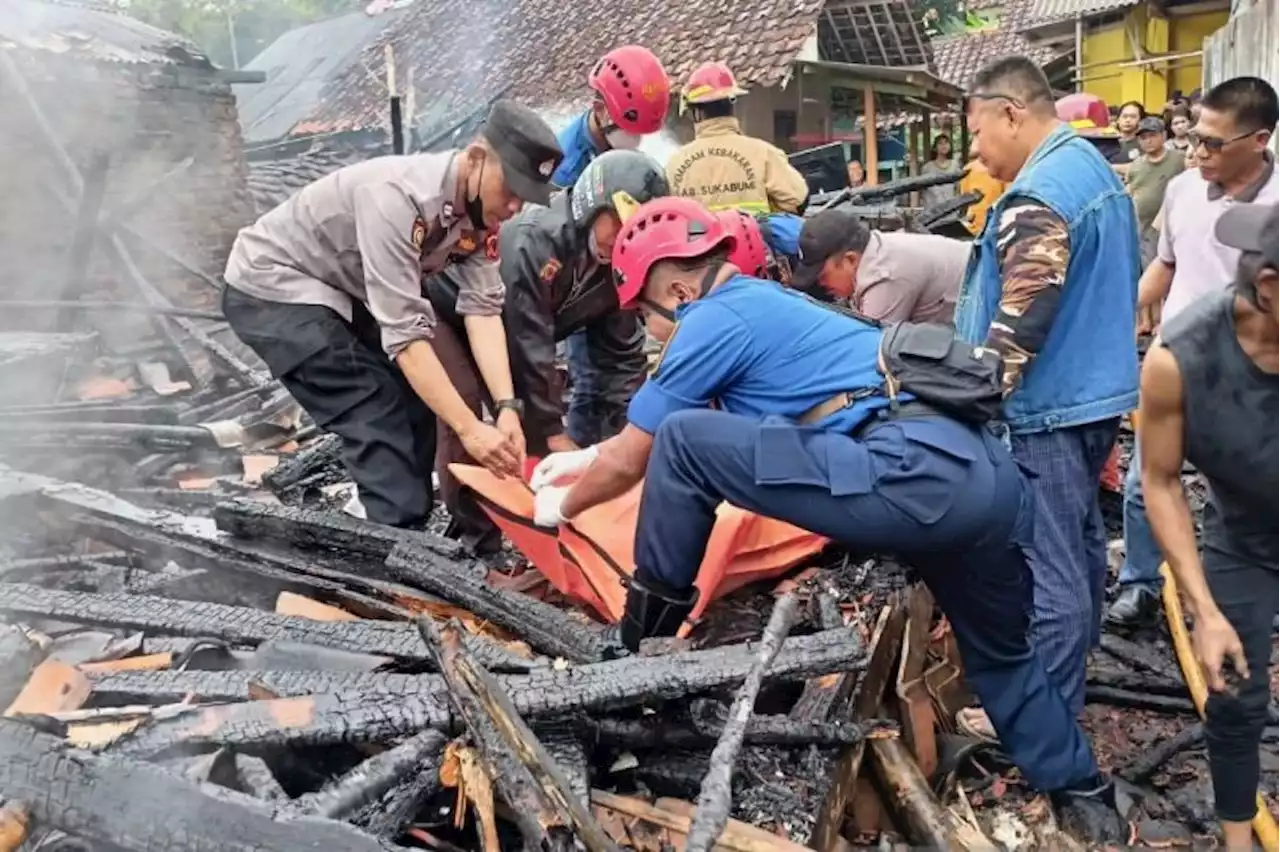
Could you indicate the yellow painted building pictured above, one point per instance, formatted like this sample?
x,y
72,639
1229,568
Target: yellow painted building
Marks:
x,y
1131,51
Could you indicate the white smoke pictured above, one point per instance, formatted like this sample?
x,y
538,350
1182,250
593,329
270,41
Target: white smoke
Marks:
x,y
660,146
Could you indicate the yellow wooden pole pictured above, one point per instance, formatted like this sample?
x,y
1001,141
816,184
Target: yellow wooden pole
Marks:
x,y
1264,824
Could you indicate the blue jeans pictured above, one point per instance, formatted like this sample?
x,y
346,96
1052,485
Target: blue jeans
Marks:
x,y
1142,555
1069,558
583,423
945,497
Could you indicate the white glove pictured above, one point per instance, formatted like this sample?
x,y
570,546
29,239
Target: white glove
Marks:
x,y
546,506
558,466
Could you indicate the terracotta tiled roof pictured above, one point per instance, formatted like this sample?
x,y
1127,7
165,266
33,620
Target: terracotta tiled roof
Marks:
x,y
271,182
460,53
958,58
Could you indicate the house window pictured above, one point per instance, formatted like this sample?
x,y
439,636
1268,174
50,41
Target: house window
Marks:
x,y
785,125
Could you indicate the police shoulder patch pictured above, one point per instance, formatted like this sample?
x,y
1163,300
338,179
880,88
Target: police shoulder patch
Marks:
x,y
467,243
418,233
491,247
550,270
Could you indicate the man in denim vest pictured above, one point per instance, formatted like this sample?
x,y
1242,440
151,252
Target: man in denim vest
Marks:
x,y
1052,285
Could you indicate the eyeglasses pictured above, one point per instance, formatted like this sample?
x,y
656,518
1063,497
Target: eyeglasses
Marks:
x,y
1213,144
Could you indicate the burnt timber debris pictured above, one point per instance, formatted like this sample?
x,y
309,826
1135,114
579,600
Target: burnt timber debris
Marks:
x,y
199,650
183,597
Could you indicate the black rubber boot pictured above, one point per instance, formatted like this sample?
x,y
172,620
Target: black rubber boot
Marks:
x,y
653,610
1089,811
1135,606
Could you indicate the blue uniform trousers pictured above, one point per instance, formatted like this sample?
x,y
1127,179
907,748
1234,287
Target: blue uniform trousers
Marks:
x,y
583,424
945,497
1069,560
1142,556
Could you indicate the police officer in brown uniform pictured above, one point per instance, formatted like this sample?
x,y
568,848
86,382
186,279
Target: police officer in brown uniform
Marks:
x,y
556,264
722,168
327,289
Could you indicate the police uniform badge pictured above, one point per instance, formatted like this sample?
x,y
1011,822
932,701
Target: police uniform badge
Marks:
x,y
466,244
418,233
491,247
550,270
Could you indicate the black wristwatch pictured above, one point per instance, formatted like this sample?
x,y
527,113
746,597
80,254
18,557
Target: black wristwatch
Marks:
x,y
516,405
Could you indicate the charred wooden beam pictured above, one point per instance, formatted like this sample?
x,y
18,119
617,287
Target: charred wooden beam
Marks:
x,y
1138,700
1139,656
367,707
1136,682
926,821
716,797
234,624
40,564
1141,768
332,532
64,433
372,779
268,574
132,805
154,414
254,777
546,628
20,653
324,453
532,784
661,733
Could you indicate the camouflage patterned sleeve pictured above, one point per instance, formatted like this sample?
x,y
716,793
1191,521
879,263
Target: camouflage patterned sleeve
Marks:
x,y
1034,247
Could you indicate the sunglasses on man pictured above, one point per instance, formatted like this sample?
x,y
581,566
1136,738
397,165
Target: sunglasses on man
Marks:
x,y
1213,144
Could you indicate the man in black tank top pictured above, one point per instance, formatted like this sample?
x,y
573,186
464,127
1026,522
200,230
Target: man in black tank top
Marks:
x,y
1209,396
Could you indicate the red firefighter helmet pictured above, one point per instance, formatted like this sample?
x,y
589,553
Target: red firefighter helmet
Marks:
x,y
710,81
749,253
662,229
634,87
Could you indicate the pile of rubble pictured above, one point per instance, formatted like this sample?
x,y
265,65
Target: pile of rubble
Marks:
x,y
200,652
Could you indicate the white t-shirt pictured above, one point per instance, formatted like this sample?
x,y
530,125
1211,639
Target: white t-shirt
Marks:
x,y
1201,264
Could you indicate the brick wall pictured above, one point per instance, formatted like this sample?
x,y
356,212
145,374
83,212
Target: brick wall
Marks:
x,y
147,119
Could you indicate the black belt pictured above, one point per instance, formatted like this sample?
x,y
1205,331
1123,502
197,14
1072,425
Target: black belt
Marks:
x,y
914,408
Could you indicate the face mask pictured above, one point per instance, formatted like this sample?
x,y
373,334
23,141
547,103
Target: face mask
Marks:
x,y
594,247
621,140
475,207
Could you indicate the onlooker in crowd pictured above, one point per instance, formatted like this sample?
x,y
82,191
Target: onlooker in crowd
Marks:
x,y
1127,120
940,162
1147,179
857,177
1052,288
1209,396
890,276
1234,165
1179,121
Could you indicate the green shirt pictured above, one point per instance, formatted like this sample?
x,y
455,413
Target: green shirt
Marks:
x,y
1147,181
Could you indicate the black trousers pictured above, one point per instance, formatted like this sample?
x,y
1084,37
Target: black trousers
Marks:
x,y
1246,594
339,373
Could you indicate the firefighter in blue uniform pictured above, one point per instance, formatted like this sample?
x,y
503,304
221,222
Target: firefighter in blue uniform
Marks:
x,y
803,432
632,96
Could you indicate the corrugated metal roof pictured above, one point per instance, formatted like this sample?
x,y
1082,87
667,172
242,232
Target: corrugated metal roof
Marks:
x,y
1049,11
91,33
299,65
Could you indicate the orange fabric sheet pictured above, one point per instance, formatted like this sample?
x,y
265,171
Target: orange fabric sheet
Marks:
x,y
590,557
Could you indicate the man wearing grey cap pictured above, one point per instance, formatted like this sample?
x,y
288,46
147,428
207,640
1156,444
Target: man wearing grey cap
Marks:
x,y
1148,176
887,276
1209,397
327,289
